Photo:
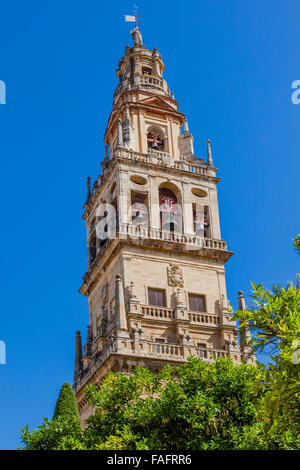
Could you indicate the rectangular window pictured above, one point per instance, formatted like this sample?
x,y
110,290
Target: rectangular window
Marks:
x,y
156,297
197,303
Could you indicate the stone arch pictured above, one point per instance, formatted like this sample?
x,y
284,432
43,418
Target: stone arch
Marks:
x,y
170,207
157,138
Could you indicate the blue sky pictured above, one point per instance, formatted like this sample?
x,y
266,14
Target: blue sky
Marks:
x,y
230,64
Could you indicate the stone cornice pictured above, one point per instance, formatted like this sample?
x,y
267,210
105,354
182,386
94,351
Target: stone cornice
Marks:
x,y
103,257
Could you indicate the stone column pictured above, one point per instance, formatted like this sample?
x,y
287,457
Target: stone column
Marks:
x,y
136,71
121,321
154,215
187,210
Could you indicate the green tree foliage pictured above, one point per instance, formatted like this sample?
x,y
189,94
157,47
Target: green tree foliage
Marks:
x,y
194,406
197,405
63,433
66,404
296,243
275,321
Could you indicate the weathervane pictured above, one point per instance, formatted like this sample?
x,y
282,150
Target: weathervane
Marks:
x,y
133,18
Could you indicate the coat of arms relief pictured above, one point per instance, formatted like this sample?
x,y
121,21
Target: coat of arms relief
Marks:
x,y
175,276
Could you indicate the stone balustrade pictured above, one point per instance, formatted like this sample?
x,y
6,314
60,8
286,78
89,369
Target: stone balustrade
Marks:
x,y
161,159
133,231
163,351
139,231
210,354
204,318
158,312
151,80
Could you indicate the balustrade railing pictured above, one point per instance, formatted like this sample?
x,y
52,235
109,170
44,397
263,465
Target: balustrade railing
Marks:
x,y
157,312
210,354
162,159
166,349
151,80
176,352
139,231
203,317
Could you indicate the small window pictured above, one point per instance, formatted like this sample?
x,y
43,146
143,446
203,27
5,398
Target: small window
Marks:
x,y
197,303
157,297
160,340
146,70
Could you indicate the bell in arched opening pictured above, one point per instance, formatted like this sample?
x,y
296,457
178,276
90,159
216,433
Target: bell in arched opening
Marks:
x,y
139,211
155,142
169,223
169,214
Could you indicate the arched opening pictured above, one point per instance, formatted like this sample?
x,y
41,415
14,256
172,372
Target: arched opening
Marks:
x,y
170,209
139,209
201,220
156,139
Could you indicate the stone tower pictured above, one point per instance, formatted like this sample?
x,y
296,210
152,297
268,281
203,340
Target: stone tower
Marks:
x,y
155,280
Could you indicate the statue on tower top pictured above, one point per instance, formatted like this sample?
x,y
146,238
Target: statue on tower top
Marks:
x,y
136,36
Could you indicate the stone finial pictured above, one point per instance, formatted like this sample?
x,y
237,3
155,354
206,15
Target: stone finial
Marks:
x,y
241,300
120,134
172,95
89,334
121,321
224,304
179,298
245,335
209,154
185,127
132,290
78,355
126,128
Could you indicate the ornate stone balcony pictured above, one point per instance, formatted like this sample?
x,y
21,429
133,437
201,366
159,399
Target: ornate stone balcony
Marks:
x,y
163,313
151,81
144,349
138,231
164,159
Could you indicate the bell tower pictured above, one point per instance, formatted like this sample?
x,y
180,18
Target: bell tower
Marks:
x,y
155,280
